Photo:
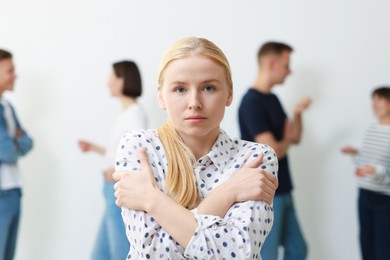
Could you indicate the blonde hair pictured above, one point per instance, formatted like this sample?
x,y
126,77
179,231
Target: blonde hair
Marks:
x,y
181,182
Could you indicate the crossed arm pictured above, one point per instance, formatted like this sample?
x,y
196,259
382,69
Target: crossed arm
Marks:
x,y
207,229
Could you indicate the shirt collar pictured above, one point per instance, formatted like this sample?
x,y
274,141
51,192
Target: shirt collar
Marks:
x,y
220,152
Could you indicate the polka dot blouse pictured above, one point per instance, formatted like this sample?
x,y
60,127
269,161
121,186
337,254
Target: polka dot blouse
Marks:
x,y
238,235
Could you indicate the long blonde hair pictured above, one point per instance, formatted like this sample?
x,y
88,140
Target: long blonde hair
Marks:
x,y
181,182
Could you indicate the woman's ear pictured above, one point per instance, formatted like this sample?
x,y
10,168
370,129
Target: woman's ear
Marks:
x,y
229,98
161,102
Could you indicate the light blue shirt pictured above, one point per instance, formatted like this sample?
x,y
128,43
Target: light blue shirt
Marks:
x,y
11,146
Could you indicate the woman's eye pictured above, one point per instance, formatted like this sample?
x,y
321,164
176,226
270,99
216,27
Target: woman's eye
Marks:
x,y
180,90
209,88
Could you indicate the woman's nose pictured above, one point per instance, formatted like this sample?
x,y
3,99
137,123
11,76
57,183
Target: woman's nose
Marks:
x,y
195,102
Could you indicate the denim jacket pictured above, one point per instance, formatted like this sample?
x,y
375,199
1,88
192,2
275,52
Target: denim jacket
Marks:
x,y
11,148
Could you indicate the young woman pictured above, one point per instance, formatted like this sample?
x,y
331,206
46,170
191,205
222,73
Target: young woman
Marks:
x,y
125,84
372,163
187,190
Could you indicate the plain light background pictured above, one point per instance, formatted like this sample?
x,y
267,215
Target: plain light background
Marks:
x,y
63,51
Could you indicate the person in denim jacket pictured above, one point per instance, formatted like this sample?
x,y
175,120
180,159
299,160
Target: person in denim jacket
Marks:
x,y
14,143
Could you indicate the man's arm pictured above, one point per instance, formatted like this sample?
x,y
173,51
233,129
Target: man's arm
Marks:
x,y
280,147
296,123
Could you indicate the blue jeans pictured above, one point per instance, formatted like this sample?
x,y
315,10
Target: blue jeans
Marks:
x,y
111,242
9,222
374,220
285,232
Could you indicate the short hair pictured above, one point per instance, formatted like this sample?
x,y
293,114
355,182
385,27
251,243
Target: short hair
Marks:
x,y
5,55
273,48
128,70
383,91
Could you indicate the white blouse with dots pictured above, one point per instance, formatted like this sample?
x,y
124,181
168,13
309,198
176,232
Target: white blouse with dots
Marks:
x,y
238,235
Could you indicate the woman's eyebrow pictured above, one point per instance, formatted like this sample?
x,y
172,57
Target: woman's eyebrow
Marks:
x,y
177,82
211,81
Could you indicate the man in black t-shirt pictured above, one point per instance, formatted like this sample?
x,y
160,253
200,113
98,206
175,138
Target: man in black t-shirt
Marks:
x,y
263,120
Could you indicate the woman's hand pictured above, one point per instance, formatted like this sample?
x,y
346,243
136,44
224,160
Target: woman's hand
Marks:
x,y
136,190
85,146
365,170
253,183
349,150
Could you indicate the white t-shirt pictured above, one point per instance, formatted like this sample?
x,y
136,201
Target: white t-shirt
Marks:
x,y
130,119
10,174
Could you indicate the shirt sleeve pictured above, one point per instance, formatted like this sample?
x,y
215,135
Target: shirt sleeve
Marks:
x,y
382,174
12,148
24,143
147,238
253,116
241,233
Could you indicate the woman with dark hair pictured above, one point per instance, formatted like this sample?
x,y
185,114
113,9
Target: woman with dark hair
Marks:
x,y
372,169
125,84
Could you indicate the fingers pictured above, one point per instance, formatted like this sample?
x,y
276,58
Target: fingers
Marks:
x,y
117,175
268,186
270,180
266,191
365,170
303,104
306,101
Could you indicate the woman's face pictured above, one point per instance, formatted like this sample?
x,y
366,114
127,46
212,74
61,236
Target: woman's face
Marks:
x,y
195,92
380,106
115,84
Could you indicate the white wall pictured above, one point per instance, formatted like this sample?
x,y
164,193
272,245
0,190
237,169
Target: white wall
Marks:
x,y
63,51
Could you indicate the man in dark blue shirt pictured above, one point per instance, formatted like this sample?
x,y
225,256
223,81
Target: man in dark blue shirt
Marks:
x,y
263,120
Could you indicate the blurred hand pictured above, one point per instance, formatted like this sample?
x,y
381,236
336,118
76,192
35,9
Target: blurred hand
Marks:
x,y
19,133
302,105
365,170
349,150
85,146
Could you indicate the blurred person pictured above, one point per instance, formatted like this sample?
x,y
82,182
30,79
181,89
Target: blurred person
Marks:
x,y
125,85
372,170
262,119
14,143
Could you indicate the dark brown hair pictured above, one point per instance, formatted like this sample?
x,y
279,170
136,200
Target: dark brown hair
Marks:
x,y
273,48
5,55
383,92
128,70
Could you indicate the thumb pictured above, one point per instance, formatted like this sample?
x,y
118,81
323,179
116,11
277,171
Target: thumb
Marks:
x,y
144,159
255,163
